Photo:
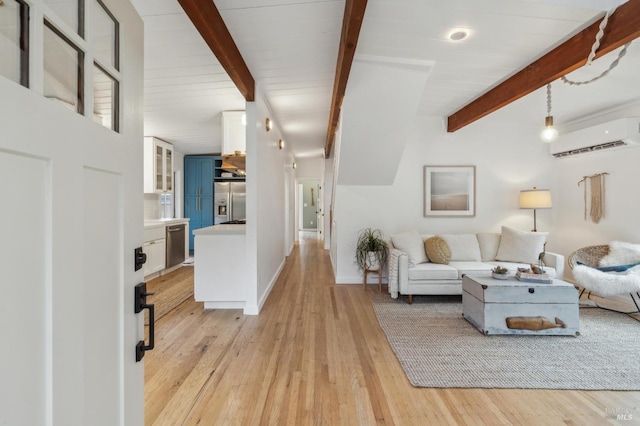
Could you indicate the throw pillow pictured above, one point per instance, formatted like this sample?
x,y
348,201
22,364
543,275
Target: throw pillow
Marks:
x,y
621,253
616,268
463,247
437,250
489,243
411,243
520,246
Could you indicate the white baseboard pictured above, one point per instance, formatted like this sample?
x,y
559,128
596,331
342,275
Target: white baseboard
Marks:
x,y
266,293
224,305
255,309
357,279
251,310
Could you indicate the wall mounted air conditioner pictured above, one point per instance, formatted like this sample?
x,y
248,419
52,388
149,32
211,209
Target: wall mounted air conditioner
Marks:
x,y
620,133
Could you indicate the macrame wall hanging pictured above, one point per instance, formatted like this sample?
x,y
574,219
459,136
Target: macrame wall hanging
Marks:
x,y
594,191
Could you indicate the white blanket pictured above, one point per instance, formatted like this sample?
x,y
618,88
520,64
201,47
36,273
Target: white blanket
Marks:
x,y
621,253
608,283
393,272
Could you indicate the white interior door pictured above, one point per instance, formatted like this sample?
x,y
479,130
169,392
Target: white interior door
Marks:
x,y
71,215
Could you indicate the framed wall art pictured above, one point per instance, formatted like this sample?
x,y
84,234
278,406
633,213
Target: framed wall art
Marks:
x,y
450,191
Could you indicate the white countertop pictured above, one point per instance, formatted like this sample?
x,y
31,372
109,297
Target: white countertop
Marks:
x,y
164,222
222,230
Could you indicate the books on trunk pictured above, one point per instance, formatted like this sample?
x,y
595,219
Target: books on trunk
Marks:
x,y
530,277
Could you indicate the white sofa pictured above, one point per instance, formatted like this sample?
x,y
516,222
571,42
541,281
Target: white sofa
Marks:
x,y
411,273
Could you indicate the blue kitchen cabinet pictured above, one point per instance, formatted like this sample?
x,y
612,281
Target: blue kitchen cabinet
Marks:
x,y
198,192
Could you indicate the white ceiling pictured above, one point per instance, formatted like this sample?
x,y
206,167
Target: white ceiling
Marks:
x,y
291,47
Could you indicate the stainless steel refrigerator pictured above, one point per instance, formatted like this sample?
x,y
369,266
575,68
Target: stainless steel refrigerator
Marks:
x,y
229,202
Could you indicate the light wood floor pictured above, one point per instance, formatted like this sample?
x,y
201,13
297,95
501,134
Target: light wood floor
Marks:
x,y
316,355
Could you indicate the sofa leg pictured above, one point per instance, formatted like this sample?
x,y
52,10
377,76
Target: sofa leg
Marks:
x,y
410,300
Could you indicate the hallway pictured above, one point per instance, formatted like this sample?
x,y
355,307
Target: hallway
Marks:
x,y
316,355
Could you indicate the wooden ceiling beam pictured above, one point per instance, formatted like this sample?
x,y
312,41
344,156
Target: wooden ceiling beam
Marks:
x,y
623,27
351,24
207,19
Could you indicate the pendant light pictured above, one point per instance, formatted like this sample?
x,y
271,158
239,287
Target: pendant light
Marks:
x,y
549,134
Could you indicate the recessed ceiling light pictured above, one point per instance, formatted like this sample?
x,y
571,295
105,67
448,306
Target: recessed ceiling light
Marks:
x,y
459,34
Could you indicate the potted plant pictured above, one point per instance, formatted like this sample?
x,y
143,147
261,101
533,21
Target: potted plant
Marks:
x,y
499,273
371,249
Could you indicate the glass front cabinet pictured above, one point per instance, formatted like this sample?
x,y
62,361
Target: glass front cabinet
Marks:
x,y
158,166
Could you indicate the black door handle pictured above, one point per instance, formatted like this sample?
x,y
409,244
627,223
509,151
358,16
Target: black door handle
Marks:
x,y
140,303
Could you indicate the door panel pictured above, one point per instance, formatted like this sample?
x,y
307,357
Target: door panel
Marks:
x,y
102,231
192,208
206,177
191,174
25,305
206,207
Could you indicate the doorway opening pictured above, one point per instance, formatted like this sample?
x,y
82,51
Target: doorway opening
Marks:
x,y
309,207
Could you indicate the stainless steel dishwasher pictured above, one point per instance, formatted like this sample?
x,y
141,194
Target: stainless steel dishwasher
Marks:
x,y
175,245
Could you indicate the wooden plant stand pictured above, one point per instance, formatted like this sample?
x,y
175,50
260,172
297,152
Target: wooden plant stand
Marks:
x,y
376,271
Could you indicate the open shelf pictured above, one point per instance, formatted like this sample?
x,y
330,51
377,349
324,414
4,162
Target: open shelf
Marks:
x,y
234,162
230,164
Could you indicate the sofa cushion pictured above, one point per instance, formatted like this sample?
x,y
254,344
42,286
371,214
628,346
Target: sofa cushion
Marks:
x,y
520,246
463,247
489,243
432,271
412,244
476,269
437,250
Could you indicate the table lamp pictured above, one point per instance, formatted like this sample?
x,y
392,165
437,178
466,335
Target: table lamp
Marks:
x,y
535,199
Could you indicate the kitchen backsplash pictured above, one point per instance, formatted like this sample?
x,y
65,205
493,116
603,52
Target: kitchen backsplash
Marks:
x,y
158,206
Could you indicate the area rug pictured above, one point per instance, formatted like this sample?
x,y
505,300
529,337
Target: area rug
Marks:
x,y
438,348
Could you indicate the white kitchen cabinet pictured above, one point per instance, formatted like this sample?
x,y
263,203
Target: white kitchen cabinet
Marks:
x,y
158,166
234,136
156,252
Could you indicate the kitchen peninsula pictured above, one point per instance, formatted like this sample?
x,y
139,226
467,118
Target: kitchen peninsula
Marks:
x,y
220,255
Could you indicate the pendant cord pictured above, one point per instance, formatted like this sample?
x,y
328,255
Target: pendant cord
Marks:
x,y
594,49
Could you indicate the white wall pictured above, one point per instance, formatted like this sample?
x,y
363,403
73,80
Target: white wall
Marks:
x,y
622,203
309,168
335,161
267,173
178,191
327,188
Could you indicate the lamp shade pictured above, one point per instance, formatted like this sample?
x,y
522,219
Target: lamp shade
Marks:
x,y
535,199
